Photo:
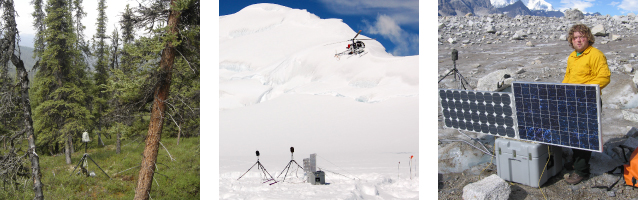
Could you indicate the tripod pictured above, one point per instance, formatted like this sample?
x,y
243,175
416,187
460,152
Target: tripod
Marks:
x,y
287,168
262,169
86,155
455,72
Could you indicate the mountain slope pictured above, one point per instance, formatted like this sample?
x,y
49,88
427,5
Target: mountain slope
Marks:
x,y
531,4
280,86
518,8
462,7
26,54
284,50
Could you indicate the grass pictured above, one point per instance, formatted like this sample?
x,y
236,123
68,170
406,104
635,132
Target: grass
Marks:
x,y
178,179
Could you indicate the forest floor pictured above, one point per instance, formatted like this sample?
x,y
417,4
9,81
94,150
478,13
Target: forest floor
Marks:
x,y
176,175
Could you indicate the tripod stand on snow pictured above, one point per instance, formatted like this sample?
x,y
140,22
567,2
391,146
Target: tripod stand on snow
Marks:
x,y
86,140
263,171
287,168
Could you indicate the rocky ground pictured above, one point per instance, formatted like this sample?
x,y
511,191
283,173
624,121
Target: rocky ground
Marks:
x,y
534,49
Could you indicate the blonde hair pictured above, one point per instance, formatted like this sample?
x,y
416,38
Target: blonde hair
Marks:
x,y
583,29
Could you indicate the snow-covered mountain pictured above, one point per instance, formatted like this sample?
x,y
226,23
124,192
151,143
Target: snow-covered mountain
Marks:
x,y
531,4
281,86
278,63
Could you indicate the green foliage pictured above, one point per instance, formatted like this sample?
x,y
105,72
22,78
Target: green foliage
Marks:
x,y
179,179
38,23
132,85
100,49
58,96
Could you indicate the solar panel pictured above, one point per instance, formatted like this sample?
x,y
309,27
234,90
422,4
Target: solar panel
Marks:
x,y
559,114
484,112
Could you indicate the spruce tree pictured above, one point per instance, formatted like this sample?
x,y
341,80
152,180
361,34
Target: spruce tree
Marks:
x,y
59,95
125,82
38,23
101,67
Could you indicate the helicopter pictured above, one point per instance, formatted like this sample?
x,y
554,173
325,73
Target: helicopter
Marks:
x,y
357,47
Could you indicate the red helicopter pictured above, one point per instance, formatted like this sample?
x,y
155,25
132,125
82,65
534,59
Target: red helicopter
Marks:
x,y
357,47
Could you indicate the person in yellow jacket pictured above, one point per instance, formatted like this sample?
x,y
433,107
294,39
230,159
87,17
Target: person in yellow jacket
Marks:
x,y
585,65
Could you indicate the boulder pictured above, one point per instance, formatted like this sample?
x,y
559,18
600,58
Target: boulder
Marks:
x,y
574,14
628,68
451,40
520,71
490,29
491,81
630,114
599,30
519,35
563,37
529,44
491,187
441,26
615,37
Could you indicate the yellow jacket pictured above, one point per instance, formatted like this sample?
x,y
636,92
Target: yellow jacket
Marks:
x,y
588,68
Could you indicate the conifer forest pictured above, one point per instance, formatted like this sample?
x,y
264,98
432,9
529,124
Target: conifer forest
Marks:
x,y
134,91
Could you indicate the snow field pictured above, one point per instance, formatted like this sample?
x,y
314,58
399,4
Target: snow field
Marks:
x,y
375,178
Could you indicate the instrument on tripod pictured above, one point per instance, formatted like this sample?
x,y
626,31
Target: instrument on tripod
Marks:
x,y
287,168
455,72
263,171
86,140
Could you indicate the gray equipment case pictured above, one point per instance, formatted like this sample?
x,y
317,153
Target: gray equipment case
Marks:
x,y
523,162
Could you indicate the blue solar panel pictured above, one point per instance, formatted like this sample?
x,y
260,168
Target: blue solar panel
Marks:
x,y
484,112
559,114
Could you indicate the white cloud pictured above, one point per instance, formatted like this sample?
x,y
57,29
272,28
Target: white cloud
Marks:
x,y
391,15
581,5
614,3
388,28
402,11
629,5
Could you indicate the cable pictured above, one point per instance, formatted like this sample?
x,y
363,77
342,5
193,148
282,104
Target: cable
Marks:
x,y
486,152
490,162
549,154
475,139
337,166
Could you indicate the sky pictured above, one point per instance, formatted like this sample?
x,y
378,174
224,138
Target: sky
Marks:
x,y
113,12
604,7
394,23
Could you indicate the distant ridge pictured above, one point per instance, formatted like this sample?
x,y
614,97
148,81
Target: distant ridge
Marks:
x,y
26,54
517,8
547,13
485,7
463,7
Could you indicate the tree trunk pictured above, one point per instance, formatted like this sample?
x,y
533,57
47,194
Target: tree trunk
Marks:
x,y
99,135
99,138
179,132
67,150
71,144
28,125
149,157
119,135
